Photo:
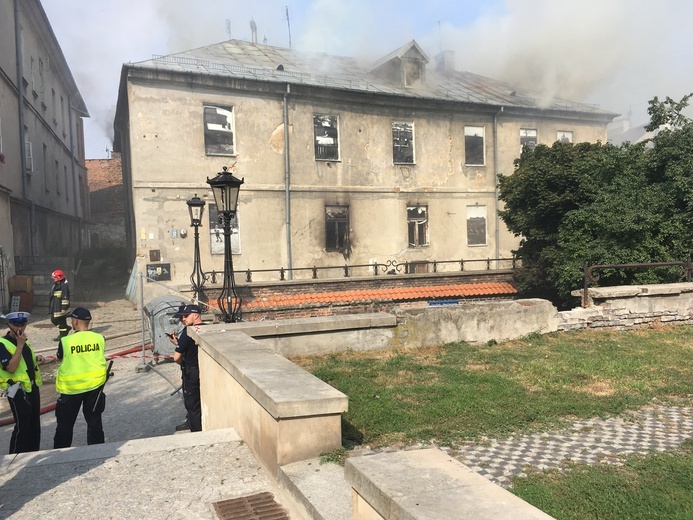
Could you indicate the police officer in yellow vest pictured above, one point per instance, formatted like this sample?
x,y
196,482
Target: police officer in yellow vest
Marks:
x,y
20,378
80,381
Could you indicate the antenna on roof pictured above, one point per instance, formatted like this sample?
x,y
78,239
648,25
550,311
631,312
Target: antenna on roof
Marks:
x,y
288,24
440,35
228,28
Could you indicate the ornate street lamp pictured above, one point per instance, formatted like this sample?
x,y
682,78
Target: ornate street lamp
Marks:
x,y
225,188
196,207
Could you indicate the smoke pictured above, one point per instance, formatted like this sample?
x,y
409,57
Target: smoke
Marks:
x,y
615,53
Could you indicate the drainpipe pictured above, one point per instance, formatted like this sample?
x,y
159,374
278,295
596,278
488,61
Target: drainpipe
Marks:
x,y
495,182
22,134
287,180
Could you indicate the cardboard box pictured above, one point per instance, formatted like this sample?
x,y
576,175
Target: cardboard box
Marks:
x,y
21,283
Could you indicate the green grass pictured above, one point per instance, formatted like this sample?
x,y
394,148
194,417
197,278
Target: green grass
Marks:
x,y
459,392
656,486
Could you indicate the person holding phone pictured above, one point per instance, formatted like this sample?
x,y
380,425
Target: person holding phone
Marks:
x,y
20,378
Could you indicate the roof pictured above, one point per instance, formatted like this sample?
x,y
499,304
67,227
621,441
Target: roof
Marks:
x,y
251,61
394,294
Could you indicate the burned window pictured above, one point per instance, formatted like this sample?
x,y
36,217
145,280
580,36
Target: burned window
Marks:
x,y
564,136
528,138
336,228
219,130
417,222
326,138
476,225
474,145
402,142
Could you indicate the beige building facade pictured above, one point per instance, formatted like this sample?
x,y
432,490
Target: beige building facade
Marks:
x,y
343,163
43,182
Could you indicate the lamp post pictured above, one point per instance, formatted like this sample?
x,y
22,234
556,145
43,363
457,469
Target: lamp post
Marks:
x,y
225,188
196,208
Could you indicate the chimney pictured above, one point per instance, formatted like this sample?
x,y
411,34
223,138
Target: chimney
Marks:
x,y
253,29
445,61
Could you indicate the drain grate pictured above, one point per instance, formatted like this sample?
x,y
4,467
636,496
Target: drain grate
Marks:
x,y
254,507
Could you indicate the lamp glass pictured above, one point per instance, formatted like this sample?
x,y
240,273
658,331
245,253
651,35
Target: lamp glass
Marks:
x,y
196,207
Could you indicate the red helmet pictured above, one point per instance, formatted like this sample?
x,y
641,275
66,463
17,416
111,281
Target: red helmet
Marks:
x,y
58,274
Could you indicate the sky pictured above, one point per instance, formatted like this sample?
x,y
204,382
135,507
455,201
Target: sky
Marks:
x,y
617,54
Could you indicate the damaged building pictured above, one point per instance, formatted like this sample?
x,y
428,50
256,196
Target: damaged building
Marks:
x,y
344,163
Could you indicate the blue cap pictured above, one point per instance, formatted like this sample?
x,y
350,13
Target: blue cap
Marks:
x,y
80,313
184,310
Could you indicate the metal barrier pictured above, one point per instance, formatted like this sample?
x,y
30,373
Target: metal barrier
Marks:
x,y
391,267
590,270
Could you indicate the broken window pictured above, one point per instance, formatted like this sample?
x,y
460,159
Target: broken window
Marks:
x,y
402,142
564,136
219,130
336,228
476,225
528,138
326,138
417,222
474,145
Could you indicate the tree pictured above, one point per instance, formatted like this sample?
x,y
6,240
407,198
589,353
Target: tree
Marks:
x,y
602,204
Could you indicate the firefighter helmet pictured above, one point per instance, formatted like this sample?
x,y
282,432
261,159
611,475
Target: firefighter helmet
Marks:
x,y
58,274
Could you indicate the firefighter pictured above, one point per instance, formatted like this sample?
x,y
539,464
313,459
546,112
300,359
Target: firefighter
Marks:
x,y
59,303
20,378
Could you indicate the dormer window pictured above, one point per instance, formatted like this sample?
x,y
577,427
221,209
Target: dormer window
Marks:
x,y
405,67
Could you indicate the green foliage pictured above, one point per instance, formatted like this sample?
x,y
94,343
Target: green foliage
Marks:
x,y
602,204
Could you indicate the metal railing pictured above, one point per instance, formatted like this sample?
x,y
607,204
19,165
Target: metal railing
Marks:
x,y
390,267
589,273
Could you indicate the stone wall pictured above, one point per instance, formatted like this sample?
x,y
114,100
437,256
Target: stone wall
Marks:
x,y
107,201
631,306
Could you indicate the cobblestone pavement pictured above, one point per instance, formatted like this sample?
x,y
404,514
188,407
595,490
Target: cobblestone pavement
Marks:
x,y
587,441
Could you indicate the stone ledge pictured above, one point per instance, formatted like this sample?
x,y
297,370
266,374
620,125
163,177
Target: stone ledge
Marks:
x,y
428,485
282,388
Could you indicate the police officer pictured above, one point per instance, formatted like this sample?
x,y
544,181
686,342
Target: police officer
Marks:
x,y
186,356
80,381
59,303
20,378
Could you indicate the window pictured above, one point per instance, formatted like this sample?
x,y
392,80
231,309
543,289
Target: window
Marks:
x,y
474,145
528,138
326,138
417,222
1,137
402,142
216,232
336,228
564,136
476,225
41,80
219,130
29,156
67,184
57,179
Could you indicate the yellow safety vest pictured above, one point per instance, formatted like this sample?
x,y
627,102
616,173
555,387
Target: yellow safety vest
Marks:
x,y
83,367
21,374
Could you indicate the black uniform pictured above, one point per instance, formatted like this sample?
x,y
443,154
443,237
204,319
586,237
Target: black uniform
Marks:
x,y
26,407
58,303
191,379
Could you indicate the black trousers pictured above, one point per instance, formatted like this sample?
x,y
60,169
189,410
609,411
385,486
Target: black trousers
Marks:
x,y
66,411
191,397
61,323
26,410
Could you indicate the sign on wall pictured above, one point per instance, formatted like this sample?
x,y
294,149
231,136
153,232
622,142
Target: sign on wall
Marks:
x,y
158,272
216,231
